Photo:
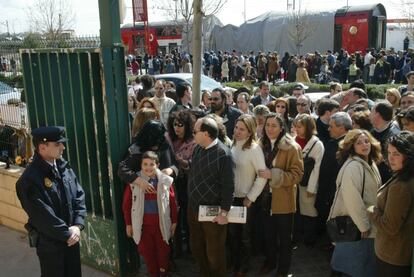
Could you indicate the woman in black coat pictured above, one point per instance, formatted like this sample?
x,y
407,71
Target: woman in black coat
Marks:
x,y
151,137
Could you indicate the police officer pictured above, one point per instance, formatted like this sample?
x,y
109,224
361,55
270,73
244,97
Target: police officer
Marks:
x,y
55,203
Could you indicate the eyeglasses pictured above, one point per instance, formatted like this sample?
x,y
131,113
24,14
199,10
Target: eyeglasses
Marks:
x,y
215,98
280,106
301,104
178,125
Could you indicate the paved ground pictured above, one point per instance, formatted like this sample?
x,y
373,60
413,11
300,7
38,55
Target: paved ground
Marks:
x,y
17,259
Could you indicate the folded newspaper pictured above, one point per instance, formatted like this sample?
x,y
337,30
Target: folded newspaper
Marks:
x,y
237,214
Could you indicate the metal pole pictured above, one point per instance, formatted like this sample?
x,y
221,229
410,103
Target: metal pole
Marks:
x,y
244,11
109,20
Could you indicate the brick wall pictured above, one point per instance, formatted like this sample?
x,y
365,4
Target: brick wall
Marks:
x,y
11,213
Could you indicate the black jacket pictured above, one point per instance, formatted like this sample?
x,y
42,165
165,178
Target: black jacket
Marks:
x,y
382,138
128,168
53,204
327,176
323,132
230,115
257,100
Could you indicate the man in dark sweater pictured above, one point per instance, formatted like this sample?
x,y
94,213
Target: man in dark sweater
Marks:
x,y
326,108
339,125
381,117
210,182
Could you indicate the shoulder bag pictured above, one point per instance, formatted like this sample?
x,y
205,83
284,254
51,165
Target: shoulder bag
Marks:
x,y
308,165
342,228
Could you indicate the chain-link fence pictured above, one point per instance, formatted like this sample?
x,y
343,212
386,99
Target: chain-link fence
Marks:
x,y
9,49
15,141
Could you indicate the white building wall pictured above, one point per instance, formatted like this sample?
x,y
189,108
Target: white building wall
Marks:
x,y
395,38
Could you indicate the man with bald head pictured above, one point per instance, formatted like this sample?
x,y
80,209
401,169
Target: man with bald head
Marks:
x,y
210,182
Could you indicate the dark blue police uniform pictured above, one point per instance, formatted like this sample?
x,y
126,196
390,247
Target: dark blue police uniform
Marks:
x,y
54,200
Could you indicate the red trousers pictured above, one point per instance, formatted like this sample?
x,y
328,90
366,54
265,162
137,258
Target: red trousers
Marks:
x,y
154,250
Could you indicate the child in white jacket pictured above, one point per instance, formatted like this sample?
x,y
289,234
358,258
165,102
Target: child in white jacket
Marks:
x,y
150,215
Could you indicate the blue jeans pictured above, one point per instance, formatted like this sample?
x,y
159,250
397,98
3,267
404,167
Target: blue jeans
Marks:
x,y
355,258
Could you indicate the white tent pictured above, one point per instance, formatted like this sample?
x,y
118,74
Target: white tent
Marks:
x,y
273,31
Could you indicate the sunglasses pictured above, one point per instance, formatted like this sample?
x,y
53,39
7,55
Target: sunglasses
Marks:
x,y
178,125
301,104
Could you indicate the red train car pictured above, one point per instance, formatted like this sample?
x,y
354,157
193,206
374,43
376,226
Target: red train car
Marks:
x,y
162,37
360,27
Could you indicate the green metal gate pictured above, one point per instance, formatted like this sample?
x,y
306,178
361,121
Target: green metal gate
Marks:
x,y
70,87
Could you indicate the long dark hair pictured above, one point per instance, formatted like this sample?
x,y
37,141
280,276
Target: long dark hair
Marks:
x,y
184,117
151,134
266,143
404,142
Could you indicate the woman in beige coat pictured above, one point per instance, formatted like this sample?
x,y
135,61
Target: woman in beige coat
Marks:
x,y
394,213
284,163
301,73
312,147
357,184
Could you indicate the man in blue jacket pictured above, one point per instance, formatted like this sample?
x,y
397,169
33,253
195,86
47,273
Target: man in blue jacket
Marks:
x,y
55,203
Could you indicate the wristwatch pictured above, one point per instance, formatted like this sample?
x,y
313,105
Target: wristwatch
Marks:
x,y
223,213
81,227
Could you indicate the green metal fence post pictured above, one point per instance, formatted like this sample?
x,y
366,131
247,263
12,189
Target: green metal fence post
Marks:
x,y
116,93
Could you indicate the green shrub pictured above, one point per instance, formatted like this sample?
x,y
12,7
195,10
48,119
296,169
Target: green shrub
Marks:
x,y
13,81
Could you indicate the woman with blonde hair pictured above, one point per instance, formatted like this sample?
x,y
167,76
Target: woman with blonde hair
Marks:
x,y
147,103
393,96
302,74
357,183
249,159
312,150
143,115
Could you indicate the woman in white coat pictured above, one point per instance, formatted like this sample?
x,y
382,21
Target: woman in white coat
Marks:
x,y
357,184
249,159
312,148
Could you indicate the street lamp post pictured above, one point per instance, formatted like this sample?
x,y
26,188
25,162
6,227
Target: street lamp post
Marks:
x,y
6,23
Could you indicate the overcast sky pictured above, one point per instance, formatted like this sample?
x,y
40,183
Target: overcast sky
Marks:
x,y
87,14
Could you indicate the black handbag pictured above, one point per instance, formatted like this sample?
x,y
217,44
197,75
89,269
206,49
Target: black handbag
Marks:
x,y
308,165
342,228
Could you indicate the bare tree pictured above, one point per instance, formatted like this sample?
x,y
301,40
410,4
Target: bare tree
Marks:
x,y
406,8
51,17
300,27
182,13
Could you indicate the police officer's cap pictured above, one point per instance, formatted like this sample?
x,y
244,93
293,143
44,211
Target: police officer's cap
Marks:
x,y
49,134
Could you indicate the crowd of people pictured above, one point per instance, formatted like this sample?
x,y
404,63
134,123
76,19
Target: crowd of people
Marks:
x,y
292,163
374,67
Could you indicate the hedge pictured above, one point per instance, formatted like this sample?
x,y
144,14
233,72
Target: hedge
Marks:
x,y
13,81
373,91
